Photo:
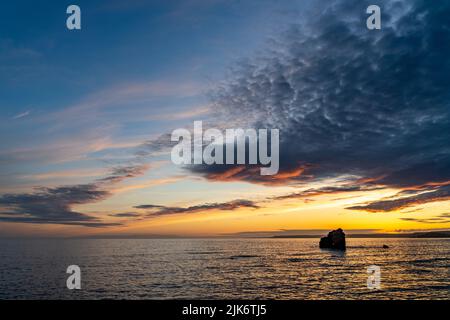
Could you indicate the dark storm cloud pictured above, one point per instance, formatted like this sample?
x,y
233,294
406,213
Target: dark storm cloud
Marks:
x,y
348,100
54,205
156,210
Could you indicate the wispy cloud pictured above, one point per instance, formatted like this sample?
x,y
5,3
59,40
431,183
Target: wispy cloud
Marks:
x,y
22,115
439,194
54,205
441,218
65,174
125,215
148,184
313,192
158,211
131,94
51,205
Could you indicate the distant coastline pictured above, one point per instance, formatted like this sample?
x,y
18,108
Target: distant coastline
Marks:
x,y
420,235
443,234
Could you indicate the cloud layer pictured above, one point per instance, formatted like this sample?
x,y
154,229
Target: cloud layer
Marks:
x,y
54,205
158,211
440,193
350,101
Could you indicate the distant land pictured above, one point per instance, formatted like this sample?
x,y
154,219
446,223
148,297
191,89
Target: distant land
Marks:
x,y
428,234
312,234
290,235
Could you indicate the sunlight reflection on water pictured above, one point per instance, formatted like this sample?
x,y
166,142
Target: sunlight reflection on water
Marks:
x,y
224,269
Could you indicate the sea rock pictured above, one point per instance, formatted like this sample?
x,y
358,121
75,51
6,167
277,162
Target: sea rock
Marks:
x,y
334,240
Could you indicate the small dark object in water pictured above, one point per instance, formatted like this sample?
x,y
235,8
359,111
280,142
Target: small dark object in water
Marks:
x,y
334,240
385,246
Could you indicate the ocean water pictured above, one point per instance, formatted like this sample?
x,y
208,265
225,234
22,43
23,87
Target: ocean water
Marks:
x,y
224,269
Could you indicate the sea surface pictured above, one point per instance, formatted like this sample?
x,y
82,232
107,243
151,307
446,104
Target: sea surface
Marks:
x,y
224,269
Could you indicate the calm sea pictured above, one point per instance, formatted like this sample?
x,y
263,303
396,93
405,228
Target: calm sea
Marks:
x,y
224,269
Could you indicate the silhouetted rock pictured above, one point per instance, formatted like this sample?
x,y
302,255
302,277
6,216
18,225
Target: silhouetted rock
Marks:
x,y
334,240
385,246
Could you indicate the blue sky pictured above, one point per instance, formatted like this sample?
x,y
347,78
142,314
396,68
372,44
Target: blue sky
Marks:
x,y
74,104
178,48
84,114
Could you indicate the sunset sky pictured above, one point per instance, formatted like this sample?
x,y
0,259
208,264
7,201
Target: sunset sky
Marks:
x,y
86,116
